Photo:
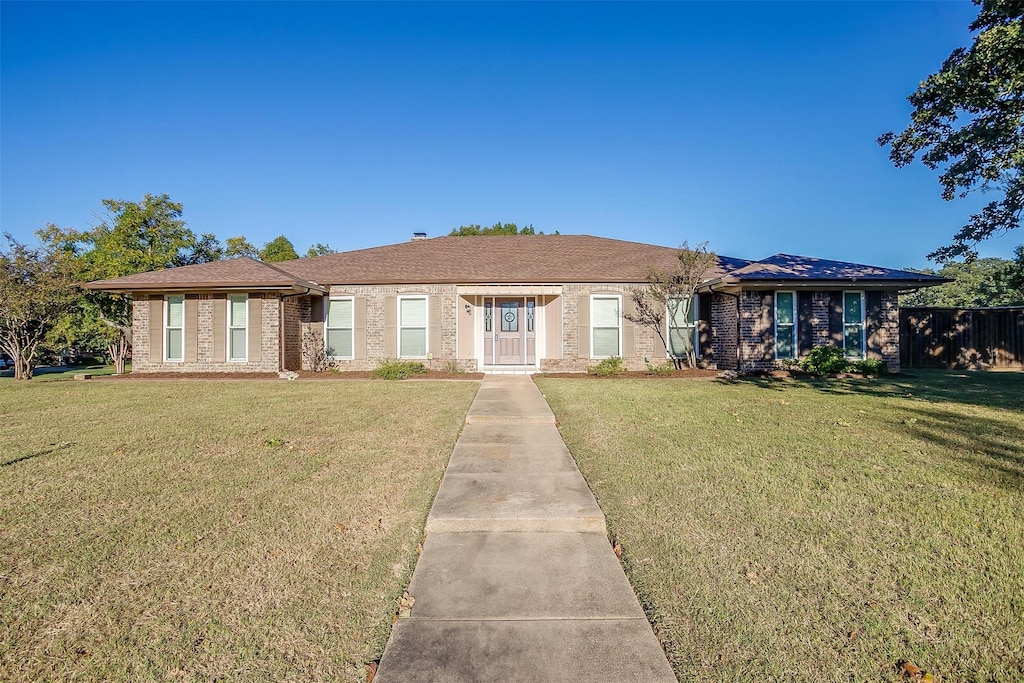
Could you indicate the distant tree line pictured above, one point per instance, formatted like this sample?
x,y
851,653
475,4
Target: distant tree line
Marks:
x,y
975,283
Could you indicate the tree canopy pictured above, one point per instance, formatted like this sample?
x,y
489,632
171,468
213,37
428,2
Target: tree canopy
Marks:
x,y
979,282
278,249
36,288
496,229
320,250
968,123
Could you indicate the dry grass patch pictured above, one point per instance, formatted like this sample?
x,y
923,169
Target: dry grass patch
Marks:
x,y
825,531
212,530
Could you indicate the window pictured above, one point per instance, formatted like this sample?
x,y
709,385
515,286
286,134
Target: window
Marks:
x,y
412,327
174,328
680,329
785,324
338,330
604,326
853,324
238,327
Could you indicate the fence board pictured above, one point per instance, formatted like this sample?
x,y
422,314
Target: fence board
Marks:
x,y
962,337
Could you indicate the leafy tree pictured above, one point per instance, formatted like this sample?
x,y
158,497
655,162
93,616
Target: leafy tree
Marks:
x,y
981,282
278,249
320,250
496,229
135,237
968,122
36,287
667,298
239,246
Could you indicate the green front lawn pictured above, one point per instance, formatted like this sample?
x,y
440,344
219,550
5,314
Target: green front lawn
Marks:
x,y
197,530
782,530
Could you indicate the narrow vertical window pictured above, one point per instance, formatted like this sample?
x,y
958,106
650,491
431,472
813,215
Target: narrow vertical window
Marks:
x,y
853,324
488,308
338,335
785,324
412,327
604,326
531,305
682,327
238,327
174,328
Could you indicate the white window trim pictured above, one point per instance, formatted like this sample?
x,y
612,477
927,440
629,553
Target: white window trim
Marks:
x,y
775,324
605,296
696,326
426,325
167,317
351,331
862,353
245,359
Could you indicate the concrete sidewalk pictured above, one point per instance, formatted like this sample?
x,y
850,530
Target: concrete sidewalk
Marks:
x,y
517,581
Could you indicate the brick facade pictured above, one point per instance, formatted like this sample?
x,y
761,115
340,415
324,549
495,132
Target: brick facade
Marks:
x,y
201,336
725,330
889,330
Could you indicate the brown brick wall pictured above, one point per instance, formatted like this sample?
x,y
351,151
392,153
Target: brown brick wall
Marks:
x,y
724,330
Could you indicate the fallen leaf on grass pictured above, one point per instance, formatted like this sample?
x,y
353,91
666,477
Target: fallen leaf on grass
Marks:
x,y
371,671
341,527
915,673
405,604
617,549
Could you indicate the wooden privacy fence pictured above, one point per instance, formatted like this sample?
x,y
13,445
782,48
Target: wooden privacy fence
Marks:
x,y
962,337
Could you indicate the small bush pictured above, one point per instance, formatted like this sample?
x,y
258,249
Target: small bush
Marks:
x,y
660,370
608,367
789,364
870,366
825,360
452,368
398,369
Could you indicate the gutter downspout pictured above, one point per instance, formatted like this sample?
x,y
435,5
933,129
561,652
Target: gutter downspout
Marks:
x,y
711,289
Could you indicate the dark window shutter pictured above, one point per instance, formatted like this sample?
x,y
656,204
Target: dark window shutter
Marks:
x,y
805,329
873,324
704,347
768,325
835,318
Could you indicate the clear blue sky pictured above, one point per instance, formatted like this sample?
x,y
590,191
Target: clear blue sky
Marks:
x,y
748,125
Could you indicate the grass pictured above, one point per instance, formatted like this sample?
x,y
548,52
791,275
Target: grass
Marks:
x,y
825,531
212,530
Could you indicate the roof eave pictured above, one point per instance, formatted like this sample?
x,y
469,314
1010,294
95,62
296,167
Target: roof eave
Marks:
x,y
282,288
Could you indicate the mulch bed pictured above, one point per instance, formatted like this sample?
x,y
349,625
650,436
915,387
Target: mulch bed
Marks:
x,y
637,374
303,374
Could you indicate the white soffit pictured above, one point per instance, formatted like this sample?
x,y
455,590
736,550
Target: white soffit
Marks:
x,y
508,290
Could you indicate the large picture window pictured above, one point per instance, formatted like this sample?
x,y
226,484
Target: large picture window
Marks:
x,y
412,327
681,326
785,324
604,326
174,327
853,324
238,327
338,330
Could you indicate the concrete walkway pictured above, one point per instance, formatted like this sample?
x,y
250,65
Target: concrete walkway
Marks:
x,y
517,581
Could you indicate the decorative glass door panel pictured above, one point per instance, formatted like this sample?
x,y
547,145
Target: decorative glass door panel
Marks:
x,y
509,335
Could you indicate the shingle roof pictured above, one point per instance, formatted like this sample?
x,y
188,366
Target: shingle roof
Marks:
x,y
240,272
495,259
790,267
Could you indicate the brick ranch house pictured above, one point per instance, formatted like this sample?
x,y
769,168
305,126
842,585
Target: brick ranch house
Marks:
x,y
522,303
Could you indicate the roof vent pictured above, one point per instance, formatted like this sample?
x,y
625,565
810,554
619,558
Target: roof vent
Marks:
x,y
419,236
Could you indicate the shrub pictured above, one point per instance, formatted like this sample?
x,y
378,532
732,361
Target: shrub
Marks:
x,y
663,369
452,368
392,368
789,364
607,367
870,366
825,360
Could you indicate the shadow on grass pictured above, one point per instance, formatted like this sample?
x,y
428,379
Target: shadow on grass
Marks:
x,y
46,451
1004,390
995,445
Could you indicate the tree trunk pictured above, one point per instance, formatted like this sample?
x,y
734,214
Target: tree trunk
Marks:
x,y
118,351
